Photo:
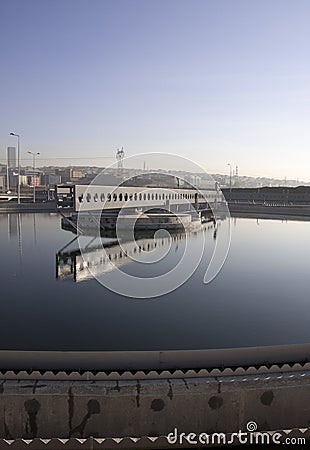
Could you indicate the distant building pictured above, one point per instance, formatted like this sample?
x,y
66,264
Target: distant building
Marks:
x,y
75,174
50,179
11,157
2,183
68,174
34,180
23,180
193,180
13,179
64,174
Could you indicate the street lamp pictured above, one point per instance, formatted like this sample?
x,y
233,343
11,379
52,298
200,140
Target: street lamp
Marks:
x,y
18,165
229,177
34,167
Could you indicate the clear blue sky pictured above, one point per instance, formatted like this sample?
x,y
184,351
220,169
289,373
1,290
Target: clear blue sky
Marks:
x,y
215,80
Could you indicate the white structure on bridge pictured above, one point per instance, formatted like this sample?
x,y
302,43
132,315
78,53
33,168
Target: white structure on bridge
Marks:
x,y
98,198
135,207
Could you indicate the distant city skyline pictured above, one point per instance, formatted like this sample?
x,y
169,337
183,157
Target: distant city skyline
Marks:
x,y
223,178
218,82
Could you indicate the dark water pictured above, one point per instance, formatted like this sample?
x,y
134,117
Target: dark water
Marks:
x,y
260,297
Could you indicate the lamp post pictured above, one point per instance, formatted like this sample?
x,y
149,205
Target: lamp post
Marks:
x,y
34,167
229,177
18,165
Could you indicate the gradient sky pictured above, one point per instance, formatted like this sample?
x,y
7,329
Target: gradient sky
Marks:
x,y
215,80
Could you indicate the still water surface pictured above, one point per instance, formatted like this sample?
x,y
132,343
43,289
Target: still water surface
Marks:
x,y
260,297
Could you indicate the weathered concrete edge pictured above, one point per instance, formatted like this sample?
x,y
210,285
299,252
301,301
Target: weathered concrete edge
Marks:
x,y
217,405
144,442
154,360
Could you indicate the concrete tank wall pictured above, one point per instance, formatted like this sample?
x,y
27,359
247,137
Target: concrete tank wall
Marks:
x,y
68,409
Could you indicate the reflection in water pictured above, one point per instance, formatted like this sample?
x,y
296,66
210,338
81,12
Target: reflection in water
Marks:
x,y
260,297
34,230
15,231
12,225
91,260
20,237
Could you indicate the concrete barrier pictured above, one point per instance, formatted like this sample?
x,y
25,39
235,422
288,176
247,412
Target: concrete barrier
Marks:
x,y
27,207
154,360
258,210
223,404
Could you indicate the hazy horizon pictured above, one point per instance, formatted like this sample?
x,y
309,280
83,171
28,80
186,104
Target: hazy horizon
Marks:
x,y
78,164
218,82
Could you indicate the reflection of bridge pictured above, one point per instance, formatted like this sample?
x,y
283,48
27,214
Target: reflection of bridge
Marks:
x,y
97,261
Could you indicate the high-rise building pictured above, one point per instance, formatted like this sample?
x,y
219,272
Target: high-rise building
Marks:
x,y
11,157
